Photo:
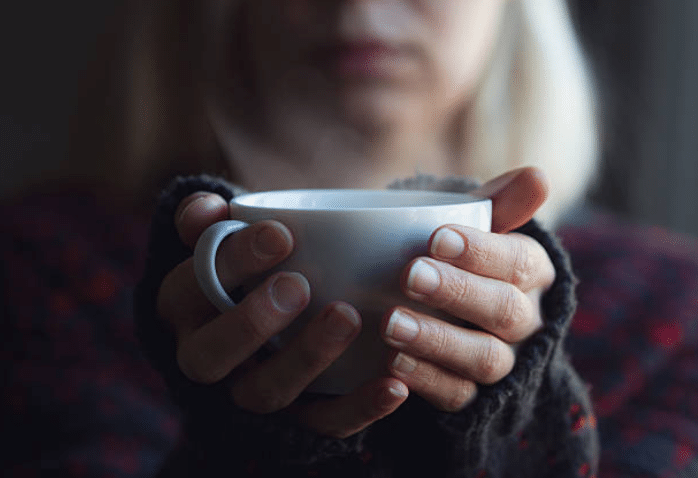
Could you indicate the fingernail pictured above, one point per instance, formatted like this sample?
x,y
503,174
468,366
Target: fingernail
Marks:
x,y
423,278
290,292
385,399
447,244
342,322
204,203
270,241
400,392
402,327
404,364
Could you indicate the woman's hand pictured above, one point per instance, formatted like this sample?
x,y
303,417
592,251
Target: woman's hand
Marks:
x,y
492,280
210,345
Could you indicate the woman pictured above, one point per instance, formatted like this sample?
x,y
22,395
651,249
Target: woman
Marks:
x,y
361,94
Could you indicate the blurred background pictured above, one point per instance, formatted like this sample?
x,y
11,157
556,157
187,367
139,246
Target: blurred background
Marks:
x,y
645,56
646,62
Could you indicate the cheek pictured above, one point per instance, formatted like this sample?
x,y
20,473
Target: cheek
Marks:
x,y
458,66
465,35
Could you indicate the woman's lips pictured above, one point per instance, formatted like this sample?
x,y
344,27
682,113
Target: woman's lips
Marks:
x,y
366,60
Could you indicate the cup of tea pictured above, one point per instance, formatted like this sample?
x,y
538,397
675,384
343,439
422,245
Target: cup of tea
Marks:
x,y
351,245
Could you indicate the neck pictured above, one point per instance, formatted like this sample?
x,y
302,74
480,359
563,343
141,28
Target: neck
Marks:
x,y
315,151
413,148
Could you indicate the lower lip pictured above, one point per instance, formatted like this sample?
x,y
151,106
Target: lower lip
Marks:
x,y
367,62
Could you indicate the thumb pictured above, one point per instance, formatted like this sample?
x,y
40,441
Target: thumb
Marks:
x,y
516,196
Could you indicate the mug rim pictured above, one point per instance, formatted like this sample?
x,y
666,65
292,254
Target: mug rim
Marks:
x,y
447,199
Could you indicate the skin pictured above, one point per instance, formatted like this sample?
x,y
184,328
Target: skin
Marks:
x,y
442,47
399,117
401,112
447,363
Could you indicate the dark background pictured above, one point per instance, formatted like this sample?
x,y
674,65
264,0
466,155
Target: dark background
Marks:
x,y
645,55
646,62
45,48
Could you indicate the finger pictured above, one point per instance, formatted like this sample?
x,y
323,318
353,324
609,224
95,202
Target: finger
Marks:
x,y
209,353
180,301
241,256
278,381
467,353
196,212
496,306
513,258
516,196
442,388
251,251
345,415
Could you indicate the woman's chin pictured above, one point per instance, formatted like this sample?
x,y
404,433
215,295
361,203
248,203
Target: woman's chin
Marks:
x,y
375,108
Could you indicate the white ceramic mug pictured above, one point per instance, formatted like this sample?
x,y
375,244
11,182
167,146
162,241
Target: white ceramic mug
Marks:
x,y
351,245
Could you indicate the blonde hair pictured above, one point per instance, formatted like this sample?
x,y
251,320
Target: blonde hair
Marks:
x,y
534,105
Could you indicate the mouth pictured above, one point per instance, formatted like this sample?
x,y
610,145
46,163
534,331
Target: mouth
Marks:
x,y
366,60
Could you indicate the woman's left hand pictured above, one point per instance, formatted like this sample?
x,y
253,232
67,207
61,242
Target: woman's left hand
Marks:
x,y
493,280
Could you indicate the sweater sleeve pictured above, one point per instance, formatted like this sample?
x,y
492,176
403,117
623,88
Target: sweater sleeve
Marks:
x,y
527,423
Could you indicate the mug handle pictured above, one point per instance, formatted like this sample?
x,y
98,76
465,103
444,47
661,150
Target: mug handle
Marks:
x,y
205,262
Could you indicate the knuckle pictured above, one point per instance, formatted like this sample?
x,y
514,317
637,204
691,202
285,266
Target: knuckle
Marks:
x,y
478,250
460,397
523,264
437,343
512,312
493,364
428,377
458,291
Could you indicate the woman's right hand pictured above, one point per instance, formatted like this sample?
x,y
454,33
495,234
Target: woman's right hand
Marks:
x,y
211,345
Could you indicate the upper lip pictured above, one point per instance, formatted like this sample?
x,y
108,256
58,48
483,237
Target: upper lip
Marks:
x,y
333,50
366,44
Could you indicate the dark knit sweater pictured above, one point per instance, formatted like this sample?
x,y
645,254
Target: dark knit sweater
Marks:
x,y
528,424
